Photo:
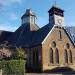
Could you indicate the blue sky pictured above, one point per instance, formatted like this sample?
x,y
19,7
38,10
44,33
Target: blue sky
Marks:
x,y
12,10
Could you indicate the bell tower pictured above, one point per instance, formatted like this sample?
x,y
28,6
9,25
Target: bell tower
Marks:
x,y
29,20
56,16
28,17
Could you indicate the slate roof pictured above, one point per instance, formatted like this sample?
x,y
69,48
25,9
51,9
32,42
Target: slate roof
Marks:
x,y
23,37
55,7
4,35
71,32
28,13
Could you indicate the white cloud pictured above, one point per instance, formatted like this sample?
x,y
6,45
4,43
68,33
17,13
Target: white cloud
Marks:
x,y
13,16
7,27
16,1
4,3
0,5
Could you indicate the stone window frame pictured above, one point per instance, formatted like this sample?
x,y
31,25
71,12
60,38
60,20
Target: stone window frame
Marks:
x,y
66,56
60,35
53,44
67,45
56,56
51,56
70,56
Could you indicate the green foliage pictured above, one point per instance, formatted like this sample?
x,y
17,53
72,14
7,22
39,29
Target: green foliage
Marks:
x,y
0,65
15,67
20,53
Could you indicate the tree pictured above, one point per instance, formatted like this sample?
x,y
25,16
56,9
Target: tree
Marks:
x,y
20,53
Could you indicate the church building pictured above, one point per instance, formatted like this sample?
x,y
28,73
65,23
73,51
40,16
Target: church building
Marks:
x,y
48,47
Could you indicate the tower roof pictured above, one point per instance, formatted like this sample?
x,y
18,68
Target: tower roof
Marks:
x,y
28,13
56,10
55,7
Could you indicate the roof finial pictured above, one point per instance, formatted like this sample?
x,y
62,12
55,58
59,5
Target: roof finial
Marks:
x,y
55,3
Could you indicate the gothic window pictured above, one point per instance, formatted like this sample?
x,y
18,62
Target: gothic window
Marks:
x,y
60,36
53,44
51,55
66,56
67,45
70,56
56,56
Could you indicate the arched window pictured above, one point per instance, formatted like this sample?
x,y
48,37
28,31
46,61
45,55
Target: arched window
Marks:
x,y
56,56
66,56
70,56
67,45
51,55
53,44
60,34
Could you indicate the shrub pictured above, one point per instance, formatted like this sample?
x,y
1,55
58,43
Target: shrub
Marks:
x,y
19,54
15,67
0,65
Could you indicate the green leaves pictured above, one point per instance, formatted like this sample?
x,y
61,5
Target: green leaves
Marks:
x,y
15,67
20,54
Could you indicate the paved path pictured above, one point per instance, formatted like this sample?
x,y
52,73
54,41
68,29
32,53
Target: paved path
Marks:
x,y
46,74
42,74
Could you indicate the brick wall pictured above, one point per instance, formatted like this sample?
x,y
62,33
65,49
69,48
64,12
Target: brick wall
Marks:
x,y
60,45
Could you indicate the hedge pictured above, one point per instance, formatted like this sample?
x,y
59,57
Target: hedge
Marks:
x,y
13,67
